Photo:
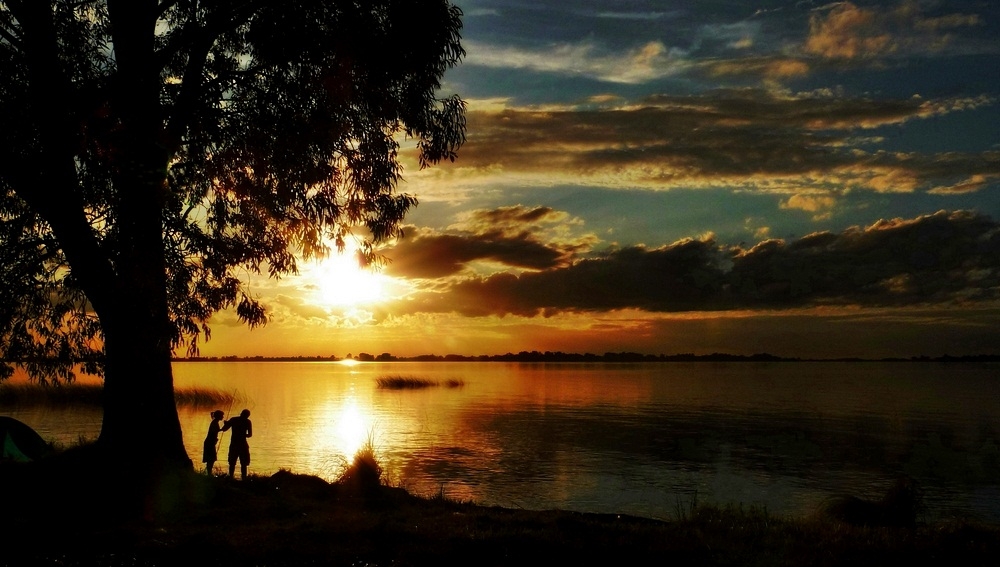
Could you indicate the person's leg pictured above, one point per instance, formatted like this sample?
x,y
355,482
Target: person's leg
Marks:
x,y
243,472
208,467
232,468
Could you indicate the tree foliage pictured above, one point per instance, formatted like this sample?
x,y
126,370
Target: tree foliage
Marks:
x,y
251,132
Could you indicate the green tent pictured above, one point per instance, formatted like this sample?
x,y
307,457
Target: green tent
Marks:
x,y
11,452
20,441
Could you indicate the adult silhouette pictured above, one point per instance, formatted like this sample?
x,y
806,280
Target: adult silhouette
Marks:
x,y
239,449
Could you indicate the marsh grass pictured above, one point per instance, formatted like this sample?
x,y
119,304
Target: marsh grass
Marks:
x,y
203,397
398,382
33,394
75,394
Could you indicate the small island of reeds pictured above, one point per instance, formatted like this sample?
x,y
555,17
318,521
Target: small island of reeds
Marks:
x,y
397,382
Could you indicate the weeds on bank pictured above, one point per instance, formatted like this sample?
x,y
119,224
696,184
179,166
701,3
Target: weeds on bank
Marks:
x,y
287,518
413,383
75,394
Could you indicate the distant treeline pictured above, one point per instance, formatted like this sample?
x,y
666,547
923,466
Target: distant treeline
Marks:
x,y
547,356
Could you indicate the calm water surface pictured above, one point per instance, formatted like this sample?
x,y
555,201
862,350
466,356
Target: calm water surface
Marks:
x,y
643,439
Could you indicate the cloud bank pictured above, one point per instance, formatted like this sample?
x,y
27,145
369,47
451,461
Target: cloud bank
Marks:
x,y
947,258
746,139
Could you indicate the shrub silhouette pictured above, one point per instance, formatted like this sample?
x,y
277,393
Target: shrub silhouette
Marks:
x,y
364,474
901,505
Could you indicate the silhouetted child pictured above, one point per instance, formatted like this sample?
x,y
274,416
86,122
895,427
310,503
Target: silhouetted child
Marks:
x,y
239,449
210,453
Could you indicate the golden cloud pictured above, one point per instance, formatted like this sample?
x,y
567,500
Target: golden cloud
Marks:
x,y
848,32
845,31
747,139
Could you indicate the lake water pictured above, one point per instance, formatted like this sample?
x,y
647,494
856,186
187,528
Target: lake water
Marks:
x,y
642,439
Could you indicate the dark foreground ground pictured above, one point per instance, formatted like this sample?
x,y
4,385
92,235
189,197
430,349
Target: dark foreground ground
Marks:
x,y
289,519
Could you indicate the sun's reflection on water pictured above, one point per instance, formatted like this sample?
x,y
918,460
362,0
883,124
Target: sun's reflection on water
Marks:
x,y
352,426
340,428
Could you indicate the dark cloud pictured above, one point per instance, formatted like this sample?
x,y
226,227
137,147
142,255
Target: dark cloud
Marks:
x,y
679,277
936,258
516,217
511,236
947,257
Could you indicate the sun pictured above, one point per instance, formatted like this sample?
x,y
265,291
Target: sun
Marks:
x,y
340,281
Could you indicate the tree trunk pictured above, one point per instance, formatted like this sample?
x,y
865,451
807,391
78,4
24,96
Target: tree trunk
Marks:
x,y
140,416
141,446
140,456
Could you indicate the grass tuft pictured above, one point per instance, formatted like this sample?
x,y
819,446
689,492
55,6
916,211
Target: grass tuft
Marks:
x,y
364,474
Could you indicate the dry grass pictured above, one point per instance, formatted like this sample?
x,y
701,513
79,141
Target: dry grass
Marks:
x,y
75,394
33,394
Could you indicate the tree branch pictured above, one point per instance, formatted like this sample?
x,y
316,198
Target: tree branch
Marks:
x,y
45,178
164,6
7,33
199,40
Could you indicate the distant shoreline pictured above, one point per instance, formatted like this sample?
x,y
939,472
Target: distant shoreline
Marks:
x,y
609,357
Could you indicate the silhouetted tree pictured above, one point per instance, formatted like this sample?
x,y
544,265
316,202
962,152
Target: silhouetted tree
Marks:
x,y
151,151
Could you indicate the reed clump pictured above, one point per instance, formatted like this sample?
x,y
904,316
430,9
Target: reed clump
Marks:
x,y
414,383
364,474
77,394
202,397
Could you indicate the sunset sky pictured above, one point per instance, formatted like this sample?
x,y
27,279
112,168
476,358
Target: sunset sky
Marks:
x,y
800,178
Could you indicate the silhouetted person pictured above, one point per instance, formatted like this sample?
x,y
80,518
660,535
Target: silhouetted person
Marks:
x,y
210,454
239,449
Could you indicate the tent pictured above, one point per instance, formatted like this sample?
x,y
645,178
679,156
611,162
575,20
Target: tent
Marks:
x,y
20,441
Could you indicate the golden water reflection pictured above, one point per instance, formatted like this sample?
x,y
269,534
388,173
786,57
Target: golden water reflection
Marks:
x,y
342,429
633,439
